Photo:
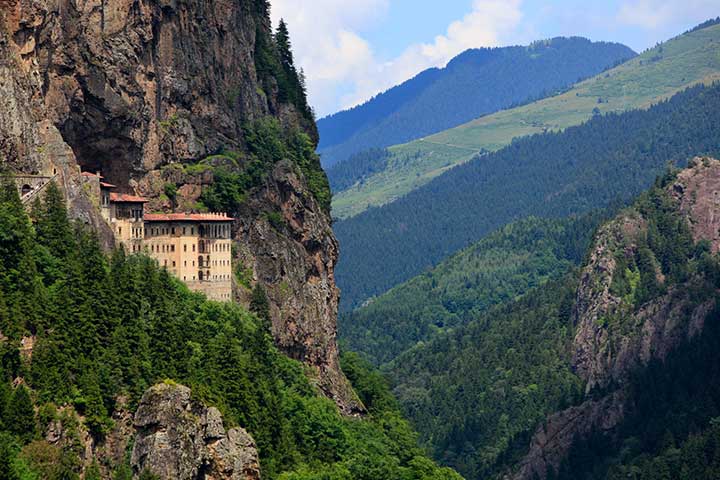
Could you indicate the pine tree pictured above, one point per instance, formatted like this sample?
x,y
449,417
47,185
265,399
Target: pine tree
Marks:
x,y
282,40
260,306
20,414
8,452
53,227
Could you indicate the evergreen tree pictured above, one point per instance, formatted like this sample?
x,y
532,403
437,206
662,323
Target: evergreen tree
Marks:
x,y
260,306
20,414
282,40
8,452
52,225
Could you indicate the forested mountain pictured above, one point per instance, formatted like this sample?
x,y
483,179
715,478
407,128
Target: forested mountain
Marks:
x,y
85,335
608,371
474,83
499,268
656,74
611,157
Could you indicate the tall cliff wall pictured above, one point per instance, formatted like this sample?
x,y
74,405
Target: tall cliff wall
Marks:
x,y
130,87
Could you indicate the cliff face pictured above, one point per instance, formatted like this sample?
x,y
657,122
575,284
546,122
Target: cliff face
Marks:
x,y
614,339
130,87
181,438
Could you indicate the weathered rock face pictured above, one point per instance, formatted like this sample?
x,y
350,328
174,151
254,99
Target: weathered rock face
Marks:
x,y
613,340
129,87
182,439
295,261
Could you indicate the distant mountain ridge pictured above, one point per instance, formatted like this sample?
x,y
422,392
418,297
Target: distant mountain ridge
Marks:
x,y
656,74
474,83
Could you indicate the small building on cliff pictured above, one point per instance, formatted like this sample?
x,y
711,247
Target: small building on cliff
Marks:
x,y
194,247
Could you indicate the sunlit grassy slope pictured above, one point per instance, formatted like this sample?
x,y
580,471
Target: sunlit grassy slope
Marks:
x,y
647,79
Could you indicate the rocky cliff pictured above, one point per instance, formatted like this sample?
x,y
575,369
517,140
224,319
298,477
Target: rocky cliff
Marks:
x,y
178,437
143,89
618,333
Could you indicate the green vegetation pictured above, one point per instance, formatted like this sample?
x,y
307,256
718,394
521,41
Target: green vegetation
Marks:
x,y
105,328
357,168
647,79
611,157
275,65
477,393
235,174
672,429
495,270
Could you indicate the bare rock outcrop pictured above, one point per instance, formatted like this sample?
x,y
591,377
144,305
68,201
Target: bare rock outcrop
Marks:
x,y
179,438
295,260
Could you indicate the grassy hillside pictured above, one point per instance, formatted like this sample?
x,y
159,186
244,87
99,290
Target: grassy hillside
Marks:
x,y
655,75
476,82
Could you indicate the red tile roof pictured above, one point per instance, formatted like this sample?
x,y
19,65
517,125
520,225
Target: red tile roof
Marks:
x,y
107,185
187,217
126,198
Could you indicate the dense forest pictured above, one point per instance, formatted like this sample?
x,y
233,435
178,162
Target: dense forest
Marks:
x,y
359,166
477,392
108,328
476,82
611,157
497,269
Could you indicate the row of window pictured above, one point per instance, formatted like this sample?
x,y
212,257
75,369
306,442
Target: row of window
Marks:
x,y
217,231
162,248
207,277
201,263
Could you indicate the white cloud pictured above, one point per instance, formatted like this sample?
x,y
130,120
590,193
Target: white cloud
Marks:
x,y
653,14
340,64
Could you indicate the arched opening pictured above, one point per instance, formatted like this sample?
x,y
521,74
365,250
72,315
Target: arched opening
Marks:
x,y
200,275
25,189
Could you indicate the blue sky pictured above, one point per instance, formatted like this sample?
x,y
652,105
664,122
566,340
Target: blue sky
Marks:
x,y
353,49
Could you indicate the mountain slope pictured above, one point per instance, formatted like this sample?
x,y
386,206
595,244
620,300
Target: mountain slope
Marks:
x,y
587,374
92,347
474,83
495,270
611,157
654,75
147,93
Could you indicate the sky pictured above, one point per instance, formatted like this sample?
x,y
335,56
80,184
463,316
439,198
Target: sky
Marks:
x,y
351,50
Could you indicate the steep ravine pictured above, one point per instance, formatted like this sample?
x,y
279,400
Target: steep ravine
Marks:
x,y
129,87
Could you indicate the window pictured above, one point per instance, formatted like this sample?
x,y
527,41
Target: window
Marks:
x,y
173,230
184,230
193,247
185,263
173,263
172,248
185,248
200,275
119,230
